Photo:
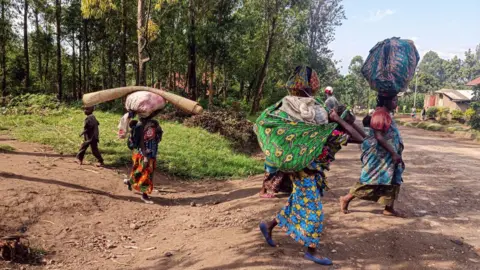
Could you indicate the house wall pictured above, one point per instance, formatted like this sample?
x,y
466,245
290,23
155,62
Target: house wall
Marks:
x,y
429,101
440,100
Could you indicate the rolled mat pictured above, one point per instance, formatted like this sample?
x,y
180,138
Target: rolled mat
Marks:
x,y
182,103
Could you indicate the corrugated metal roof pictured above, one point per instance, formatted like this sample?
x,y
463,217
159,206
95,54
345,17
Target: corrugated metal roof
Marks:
x,y
474,82
457,95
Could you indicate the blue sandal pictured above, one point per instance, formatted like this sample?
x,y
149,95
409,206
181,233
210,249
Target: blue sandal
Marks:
x,y
264,230
323,261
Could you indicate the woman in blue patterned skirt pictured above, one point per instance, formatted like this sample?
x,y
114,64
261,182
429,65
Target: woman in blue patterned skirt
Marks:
x,y
382,164
302,216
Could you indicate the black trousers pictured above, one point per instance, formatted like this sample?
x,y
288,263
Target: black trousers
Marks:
x,y
94,146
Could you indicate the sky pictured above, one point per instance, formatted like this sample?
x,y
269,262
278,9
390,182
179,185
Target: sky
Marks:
x,y
444,26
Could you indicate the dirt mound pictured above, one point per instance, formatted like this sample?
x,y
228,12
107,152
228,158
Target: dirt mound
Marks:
x,y
232,125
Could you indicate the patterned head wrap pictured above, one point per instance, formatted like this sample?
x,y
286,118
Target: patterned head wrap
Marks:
x,y
304,82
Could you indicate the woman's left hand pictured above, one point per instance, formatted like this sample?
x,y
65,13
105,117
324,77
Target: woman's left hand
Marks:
x,y
334,116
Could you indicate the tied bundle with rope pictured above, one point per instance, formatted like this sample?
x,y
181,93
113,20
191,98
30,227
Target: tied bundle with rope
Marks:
x,y
289,143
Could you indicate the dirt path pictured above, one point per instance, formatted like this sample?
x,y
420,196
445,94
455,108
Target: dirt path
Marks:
x,y
87,219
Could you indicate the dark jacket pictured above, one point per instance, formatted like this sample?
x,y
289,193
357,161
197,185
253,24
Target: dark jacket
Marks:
x,y
90,129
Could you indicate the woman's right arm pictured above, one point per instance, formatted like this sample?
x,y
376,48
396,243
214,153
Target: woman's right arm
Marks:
x,y
379,136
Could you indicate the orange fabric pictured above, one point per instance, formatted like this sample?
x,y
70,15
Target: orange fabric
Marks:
x,y
381,119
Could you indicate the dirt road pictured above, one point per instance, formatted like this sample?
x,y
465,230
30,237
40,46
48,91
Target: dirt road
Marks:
x,y
86,218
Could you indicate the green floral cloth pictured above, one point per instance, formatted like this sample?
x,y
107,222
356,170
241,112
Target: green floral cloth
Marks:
x,y
290,145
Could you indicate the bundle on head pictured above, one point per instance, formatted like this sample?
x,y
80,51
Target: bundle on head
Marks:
x,y
182,103
304,82
390,65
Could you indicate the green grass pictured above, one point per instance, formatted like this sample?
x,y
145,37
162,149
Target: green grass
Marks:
x,y
185,152
6,148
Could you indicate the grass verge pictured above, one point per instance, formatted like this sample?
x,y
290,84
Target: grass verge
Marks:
x,y
4,148
186,152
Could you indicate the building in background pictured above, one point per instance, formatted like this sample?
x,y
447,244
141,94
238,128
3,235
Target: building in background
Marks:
x,y
450,98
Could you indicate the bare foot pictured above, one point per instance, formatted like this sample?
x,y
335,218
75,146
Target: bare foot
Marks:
x,y
393,213
78,161
344,205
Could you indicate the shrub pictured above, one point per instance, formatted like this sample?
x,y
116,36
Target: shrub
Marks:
x,y
232,125
442,112
469,113
434,127
451,129
32,104
432,112
475,122
457,114
423,125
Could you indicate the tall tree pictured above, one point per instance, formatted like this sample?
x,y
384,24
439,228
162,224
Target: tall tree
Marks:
x,y
58,12
192,54
143,22
38,36
323,17
3,48
360,86
25,46
123,47
272,10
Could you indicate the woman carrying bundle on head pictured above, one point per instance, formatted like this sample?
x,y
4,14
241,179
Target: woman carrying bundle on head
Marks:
x,y
300,139
389,68
382,164
144,139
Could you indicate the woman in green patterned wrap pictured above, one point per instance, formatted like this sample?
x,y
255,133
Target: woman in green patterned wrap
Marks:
x,y
300,139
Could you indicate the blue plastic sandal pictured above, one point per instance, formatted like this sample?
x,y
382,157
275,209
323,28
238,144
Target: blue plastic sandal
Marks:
x,y
324,261
264,230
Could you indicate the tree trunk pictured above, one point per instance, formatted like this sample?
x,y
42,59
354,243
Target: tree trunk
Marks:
x,y
250,88
263,71
47,63
123,48
39,50
3,53
110,67
74,69
225,83
86,70
192,75
58,11
242,88
80,65
152,75
25,46
103,70
210,87
142,43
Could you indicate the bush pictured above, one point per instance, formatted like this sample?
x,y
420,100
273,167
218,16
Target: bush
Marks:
x,y
475,122
432,112
232,125
32,104
442,112
434,127
457,114
451,129
423,125
469,113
